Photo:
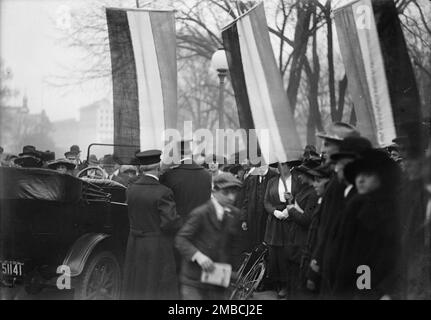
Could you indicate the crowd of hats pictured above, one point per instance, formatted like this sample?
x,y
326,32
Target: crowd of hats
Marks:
x,y
351,145
30,157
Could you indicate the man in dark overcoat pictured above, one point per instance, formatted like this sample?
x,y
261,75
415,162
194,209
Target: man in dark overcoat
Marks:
x,y
350,149
150,269
333,200
190,183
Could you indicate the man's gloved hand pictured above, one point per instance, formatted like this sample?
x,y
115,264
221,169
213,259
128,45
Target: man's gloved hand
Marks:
x,y
204,261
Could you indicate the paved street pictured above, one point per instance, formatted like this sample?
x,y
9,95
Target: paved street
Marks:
x,y
265,295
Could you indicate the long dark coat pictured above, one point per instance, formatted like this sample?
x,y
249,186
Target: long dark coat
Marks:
x,y
191,185
149,271
300,222
331,246
370,235
253,210
205,233
332,203
305,271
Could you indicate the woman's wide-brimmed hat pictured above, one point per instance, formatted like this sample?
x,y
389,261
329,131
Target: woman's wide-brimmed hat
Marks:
x,y
322,171
28,162
29,151
306,166
374,161
56,163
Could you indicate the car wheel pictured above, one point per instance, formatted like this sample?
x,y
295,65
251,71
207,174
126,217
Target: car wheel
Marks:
x,y
100,279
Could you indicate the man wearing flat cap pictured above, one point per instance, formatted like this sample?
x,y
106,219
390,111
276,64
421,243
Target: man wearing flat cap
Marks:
x,y
206,238
150,270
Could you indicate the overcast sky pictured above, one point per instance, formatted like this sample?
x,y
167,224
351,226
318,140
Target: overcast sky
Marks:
x,y
29,46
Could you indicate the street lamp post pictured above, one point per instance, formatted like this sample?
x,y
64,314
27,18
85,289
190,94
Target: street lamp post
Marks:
x,y
219,63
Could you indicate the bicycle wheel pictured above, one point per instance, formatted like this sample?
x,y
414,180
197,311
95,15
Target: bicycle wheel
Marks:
x,y
249,282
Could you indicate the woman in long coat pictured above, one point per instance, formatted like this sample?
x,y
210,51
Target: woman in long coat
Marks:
x,y
277,197
370,231
286,228
300,216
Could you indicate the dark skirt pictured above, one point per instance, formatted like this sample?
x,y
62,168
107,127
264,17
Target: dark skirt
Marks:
x,y
277,264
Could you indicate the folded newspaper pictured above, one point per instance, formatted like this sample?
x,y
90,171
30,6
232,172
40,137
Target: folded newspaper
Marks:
x,y
220,276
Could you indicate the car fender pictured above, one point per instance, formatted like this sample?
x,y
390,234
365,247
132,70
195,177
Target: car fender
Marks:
x,y
80,251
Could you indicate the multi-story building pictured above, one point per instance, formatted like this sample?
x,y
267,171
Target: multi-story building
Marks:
x,y
95,125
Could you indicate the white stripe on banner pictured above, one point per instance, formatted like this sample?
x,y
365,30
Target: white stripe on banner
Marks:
x,y
375,72
258,93
151,114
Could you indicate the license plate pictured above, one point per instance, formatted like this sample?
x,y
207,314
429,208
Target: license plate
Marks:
x,y
12,268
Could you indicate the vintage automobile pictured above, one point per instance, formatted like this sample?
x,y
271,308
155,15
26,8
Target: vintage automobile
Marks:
x,y
52,223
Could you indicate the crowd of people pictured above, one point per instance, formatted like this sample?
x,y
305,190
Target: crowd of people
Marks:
x,y
350,222
107,167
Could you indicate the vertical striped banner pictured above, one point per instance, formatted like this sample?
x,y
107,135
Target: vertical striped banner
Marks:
x,y
368,60
261,99
144,73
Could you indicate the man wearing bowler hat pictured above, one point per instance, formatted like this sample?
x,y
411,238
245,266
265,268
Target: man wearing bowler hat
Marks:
x,y
150,271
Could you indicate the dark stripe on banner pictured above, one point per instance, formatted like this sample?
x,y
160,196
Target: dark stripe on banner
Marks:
x,y
124,85
233,55
236,72
403,91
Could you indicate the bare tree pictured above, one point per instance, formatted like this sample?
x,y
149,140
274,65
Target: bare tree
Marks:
x,y
305,54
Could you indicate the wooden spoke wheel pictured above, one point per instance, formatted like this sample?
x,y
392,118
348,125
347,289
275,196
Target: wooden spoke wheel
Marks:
x,y
100,279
